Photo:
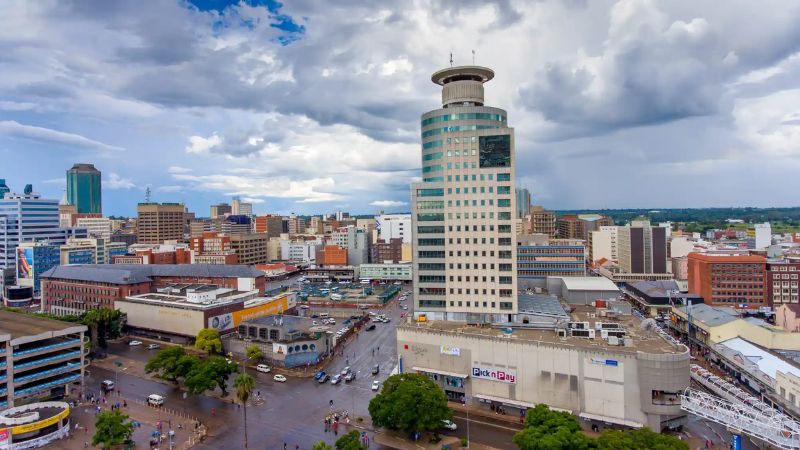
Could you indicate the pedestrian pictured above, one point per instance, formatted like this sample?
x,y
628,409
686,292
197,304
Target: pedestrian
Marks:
x,y
124,403
284,446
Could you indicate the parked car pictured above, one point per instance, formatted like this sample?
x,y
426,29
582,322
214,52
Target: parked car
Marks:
x,y
345,371
107,385
371,327
325,377
350,376
319,375
263,368
153,346
155,400
135,343
404,307
449,425
376,369
376,385
279,378
336,379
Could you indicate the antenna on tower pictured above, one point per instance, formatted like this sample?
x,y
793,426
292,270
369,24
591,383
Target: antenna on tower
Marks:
x,y
451,59
147,194
473,57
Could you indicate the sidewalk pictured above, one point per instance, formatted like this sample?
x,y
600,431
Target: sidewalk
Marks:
x,y
393,440
483,412
82,420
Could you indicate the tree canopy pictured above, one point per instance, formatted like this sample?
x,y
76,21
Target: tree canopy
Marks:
x,y
212,372
321,445
208,340
350,441
172,363
244,385
112,428
636,439
410,402
254,353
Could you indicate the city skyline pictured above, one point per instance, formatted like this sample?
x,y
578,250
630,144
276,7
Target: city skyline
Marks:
x,y
309,108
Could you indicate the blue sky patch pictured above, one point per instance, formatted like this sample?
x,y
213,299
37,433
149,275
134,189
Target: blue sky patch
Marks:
x,y
293,30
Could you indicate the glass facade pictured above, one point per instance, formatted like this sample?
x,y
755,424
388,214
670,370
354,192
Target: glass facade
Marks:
x,y
84,189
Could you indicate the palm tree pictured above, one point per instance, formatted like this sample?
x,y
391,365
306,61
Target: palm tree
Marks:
x,y
244,385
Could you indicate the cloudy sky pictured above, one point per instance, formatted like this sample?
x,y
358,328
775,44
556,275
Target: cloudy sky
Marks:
x,y
313,105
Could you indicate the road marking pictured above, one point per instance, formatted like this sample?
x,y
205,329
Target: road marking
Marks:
x,y
486,423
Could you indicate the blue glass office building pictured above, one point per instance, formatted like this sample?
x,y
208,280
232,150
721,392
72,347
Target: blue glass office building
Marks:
x,y
84,190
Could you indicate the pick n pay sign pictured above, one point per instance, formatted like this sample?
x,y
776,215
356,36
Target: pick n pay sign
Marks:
x,y
508,376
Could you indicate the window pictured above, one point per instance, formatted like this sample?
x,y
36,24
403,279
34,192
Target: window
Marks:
x,y
435,168
430,217
504,305
504,215
503,177
433,144
504,189
504,202
432,156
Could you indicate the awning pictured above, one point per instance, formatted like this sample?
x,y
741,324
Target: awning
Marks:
x,y
440,372
627,423
508,401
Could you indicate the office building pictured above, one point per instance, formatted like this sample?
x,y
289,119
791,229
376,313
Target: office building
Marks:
x,y
43,357
760,234
355,241
297,225
539,257
236,225
578,226
250,248
97,227
159,222
240,208
392,226
301,250
603,244
730,279
33,259
386,272
77,289
270,225
642,248
463,210
178,253
316,225
84,189
331,255
387,251
341,215
523,202
782,281
123,237
212,248
543,221
199,226
220,210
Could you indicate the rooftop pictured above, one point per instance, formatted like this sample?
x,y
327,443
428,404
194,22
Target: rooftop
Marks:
x,y
547,305
711,316
643,340
766,362
16,325
589,284
134,273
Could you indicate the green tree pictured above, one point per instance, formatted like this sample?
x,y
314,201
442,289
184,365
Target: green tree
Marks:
x,y
103,324
112,428
321,446
208,340
551,430
209,373
350,441
410,402
171,363
640,438
244,385
254,353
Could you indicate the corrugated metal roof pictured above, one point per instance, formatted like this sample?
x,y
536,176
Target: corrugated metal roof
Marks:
x,y
133,273
767,362
589,284
710,315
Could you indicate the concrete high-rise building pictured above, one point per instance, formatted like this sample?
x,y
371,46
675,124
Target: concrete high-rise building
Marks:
x,y
355,241
250,248
159,222
297,225
732,279
523,202
464,208
543,221
603,244
272,226
392,226
240,208
642,248
99,227
84,189
761,235
220,210
578,226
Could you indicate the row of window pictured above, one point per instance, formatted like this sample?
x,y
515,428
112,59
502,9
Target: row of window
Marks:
x,y
435,204
786,276
463,116
429,242
430,192
470,291
455,129
490,177
432,156
483,215
431,266
430,229
433,179
434,168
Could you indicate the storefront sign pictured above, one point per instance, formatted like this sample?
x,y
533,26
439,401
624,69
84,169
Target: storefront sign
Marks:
x,y
605,362
453,351
507,376
5,438
28,427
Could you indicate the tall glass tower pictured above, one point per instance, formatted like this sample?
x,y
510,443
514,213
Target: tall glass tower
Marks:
x,y
464,208
83,189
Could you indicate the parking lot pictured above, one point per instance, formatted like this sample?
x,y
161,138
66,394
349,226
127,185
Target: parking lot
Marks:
x,y
356,294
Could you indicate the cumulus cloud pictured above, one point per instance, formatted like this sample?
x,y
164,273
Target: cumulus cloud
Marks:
x,y
388,203
253,200
48,136
178,169
115,181
170,188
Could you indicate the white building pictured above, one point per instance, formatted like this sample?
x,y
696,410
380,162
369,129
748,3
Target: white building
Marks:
x,y
603,243
391,226
305,251
393,271
763,235
681,246
240,208
97,227
355,241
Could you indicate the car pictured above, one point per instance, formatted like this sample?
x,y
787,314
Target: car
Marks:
x,y
376,369
135,343
345,371
376,385
319,374
324,378
153,346
350,376
314,316
263,368
387,319
404,307
305,306
155,400
107,385
371,327
314,322
336,379
332,321
279,378
449,425
371,313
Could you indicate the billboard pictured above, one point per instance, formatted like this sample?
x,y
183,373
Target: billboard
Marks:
x,y
506,376
222,322
24,263
279,305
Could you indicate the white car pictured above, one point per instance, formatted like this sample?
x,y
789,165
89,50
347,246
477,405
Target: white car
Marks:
x,y
279,378
345,370
376,385
155,400
153,346
336,379
263,368
449,425
404,307
135,343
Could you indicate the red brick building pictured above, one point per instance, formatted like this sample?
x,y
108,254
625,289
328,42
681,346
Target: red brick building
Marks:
x,y
782,281
213,248
78,288
332,255
735,280
383,250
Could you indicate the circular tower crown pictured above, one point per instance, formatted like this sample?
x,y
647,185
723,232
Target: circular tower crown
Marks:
x,y
462,85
